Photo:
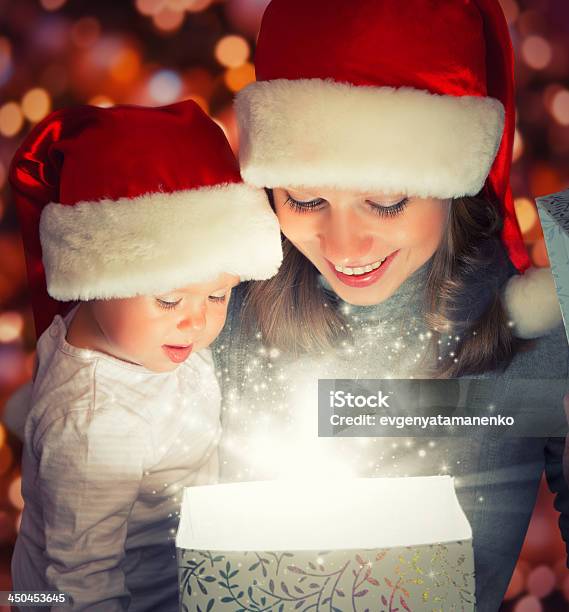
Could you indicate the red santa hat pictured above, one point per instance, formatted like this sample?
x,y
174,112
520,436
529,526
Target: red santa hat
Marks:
x,y
413,97
130,200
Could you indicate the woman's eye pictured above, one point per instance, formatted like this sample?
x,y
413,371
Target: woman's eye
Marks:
x,y
391,210
218,299
303,206
166,304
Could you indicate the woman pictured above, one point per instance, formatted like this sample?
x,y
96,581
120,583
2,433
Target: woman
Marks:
x,y
383,134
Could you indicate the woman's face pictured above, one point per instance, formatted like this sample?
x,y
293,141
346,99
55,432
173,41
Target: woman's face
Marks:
x,y
364,244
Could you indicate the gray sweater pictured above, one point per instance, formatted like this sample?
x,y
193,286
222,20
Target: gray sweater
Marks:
x,y
269,420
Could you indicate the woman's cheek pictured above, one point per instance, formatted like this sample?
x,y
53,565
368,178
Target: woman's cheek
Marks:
x,y
298,227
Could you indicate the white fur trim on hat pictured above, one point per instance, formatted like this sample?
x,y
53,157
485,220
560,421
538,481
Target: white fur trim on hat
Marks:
x,y
531,303
158,242
313,132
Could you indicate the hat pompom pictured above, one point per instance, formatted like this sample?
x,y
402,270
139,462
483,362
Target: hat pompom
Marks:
x,y
531,303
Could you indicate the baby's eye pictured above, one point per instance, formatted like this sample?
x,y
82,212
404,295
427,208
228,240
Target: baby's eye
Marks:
x,y
167,304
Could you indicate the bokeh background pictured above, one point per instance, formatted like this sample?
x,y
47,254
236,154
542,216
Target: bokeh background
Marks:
x,y
54,53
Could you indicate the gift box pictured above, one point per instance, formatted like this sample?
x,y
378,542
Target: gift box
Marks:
x,y
362,544
554,216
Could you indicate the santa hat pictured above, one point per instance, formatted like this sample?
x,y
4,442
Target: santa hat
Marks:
x,y
413,97
130,200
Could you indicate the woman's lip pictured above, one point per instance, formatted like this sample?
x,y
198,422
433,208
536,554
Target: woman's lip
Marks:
x,y
177,353
367,279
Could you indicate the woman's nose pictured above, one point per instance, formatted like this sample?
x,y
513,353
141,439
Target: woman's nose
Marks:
x,y
345,239
193,318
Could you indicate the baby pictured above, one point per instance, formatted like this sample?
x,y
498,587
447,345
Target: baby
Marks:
x,y
139,215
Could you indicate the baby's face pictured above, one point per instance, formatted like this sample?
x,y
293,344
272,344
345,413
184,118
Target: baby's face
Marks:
x,y
160,332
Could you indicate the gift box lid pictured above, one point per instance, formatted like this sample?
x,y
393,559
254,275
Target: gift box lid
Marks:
x,y
327,515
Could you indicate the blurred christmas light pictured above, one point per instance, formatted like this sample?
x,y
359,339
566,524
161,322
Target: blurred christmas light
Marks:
x,y
104,53
536,51
85,32
232,51
36,104
15,493
195,6
560,107
2,435
540,260
541,581
526,214
529,603
165,86
518,145
11,119
511,10
237,78
149,7
6,458
168,20
101,101
5,60
52,5
126,66
11,326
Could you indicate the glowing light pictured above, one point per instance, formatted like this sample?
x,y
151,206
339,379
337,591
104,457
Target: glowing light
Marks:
x,y
518,145
101,101
85,32
560,107
168,20
36,104
2,435
6,458
232,51
52,5
11,326
15,493
126,66
526,214
165,86
11,119
237,78
536,52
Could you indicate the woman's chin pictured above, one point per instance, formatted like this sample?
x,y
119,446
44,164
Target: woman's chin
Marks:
x,y
361,296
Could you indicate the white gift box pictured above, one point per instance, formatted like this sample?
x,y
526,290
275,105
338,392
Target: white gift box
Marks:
x,y
357,544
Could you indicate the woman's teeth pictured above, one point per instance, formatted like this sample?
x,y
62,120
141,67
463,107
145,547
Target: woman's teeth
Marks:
x,y
362,270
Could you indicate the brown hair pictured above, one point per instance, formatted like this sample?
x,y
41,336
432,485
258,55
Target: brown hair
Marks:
x,y
462,296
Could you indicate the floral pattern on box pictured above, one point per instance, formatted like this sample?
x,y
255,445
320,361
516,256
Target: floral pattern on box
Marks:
x,y
554,215
436,577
